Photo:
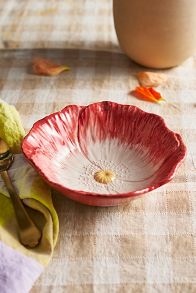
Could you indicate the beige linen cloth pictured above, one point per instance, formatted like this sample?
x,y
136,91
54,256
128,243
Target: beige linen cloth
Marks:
x,y
148,245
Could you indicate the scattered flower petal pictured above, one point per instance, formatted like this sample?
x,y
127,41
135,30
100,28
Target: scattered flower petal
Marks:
x,y
147,94
151,79
43,66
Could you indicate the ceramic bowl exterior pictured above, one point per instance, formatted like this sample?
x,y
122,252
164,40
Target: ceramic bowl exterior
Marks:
x,y
104,154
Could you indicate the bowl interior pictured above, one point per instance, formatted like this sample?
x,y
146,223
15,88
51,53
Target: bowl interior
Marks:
x,y
110,167
104,148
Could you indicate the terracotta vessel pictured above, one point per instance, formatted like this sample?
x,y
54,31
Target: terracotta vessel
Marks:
x,y
157,34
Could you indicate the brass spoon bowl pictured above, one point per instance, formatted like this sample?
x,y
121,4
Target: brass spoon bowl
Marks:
x,y
29,234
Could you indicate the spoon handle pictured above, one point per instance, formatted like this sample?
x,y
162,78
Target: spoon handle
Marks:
x,y
29,234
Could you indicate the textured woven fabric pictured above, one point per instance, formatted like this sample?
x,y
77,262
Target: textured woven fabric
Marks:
x,y
148,245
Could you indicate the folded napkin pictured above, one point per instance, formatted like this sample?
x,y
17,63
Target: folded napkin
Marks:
x,y
19,266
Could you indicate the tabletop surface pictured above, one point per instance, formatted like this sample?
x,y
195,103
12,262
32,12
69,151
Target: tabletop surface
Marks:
x,y
145,246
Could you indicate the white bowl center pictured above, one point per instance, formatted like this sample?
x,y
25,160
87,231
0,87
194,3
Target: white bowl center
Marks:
x,y
107,167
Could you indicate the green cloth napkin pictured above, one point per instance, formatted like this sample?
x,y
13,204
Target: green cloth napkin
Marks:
x,y
19,266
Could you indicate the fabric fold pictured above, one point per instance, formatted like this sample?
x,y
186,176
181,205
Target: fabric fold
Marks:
x,y
19,266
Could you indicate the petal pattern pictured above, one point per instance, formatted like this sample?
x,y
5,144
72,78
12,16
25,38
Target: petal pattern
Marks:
x,y
69,147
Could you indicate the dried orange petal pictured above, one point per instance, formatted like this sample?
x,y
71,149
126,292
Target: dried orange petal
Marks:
x,y
43,66
147,94
150,79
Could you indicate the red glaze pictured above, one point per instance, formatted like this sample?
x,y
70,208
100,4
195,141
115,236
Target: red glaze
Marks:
x,y
75,127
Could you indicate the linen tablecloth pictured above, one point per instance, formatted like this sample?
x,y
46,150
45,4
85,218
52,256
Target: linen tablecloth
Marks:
x,y
145,246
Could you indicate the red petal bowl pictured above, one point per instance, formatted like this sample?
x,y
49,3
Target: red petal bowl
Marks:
x,y
104,154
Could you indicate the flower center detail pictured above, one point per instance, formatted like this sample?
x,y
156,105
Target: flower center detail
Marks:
x,y
104,176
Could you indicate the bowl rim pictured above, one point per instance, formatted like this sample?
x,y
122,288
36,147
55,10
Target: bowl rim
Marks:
x,y
181,147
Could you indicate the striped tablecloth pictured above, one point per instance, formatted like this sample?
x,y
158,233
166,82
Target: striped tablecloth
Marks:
x,y
148,245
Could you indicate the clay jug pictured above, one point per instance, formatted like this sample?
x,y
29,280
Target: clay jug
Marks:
x,y
156,33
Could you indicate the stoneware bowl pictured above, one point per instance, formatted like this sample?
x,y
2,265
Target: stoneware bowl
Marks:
x,y
104,154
